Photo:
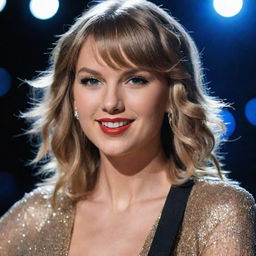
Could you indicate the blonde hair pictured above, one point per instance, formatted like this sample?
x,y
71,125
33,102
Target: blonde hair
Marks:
x,y
149,37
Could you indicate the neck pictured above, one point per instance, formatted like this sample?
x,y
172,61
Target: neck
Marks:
x,y
126,180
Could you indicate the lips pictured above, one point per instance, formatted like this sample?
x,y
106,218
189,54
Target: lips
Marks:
x,y
114,126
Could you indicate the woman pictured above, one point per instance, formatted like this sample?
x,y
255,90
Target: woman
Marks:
x,y
124,119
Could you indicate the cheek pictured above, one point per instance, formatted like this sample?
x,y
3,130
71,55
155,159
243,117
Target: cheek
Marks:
x,y
150,103
86,106
85,103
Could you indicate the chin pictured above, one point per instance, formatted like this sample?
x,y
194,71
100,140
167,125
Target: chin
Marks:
x,y
114,152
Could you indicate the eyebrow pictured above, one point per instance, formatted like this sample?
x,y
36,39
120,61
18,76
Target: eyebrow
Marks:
x,y
127,72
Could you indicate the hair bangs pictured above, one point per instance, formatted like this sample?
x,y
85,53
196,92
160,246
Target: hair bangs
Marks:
x,y
123,42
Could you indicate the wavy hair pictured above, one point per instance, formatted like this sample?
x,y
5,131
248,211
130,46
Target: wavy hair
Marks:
x,y
150,38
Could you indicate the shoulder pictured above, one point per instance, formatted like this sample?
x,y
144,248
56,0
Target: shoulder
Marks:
x,y
34,206
37,198
32,222
40,195
221,192
27,208
35,209
218,199
216,203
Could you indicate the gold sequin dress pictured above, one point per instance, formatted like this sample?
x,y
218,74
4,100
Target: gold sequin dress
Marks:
x,y
219,220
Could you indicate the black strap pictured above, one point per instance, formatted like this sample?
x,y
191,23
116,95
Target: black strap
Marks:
x,y
171,219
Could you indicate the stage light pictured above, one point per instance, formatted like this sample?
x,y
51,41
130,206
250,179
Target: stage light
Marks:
x,y
250,111
228,8
229,121
44,9
5,81
2,4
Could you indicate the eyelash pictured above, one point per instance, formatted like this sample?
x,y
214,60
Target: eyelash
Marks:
x,y
142,80
87,80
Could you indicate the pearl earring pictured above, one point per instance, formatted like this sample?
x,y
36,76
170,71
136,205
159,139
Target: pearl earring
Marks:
x,y
76,114
170,117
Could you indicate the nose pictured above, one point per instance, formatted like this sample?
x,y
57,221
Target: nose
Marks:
x,y
112,101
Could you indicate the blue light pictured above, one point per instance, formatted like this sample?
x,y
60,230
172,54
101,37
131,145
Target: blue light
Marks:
x,y
250,111
228,8
44,9
5,81
229,121
8,185
2,4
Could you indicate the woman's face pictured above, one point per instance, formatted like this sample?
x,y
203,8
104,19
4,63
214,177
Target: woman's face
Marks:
x,y
138,98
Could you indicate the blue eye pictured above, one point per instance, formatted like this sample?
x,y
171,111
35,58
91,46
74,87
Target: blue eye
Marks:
x,y
89,81
138,80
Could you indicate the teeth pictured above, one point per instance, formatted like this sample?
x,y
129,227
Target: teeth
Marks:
x,y
115,124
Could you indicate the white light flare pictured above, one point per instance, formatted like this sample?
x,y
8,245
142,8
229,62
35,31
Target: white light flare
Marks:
x,y
44,9
228,8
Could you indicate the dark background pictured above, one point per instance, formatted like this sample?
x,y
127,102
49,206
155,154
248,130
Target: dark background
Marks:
x,y
227,46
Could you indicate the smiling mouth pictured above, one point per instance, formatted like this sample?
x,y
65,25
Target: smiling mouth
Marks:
x,y
116,124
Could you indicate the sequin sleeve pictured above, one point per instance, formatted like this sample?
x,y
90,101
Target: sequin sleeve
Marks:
x,y
22,222
33,227
234,233
219,220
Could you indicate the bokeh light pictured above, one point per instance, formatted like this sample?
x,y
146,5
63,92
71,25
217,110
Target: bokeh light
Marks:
x,y
228,8
250,111
229,121
2,4
44,9
5,81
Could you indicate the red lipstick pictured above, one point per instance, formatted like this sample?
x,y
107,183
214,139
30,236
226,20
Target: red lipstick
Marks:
x,y
116,130
119,119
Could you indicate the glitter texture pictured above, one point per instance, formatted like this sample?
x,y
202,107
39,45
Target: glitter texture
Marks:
x,y
219,220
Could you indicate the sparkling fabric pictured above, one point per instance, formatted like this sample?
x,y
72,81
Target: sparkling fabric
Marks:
x,y
219,220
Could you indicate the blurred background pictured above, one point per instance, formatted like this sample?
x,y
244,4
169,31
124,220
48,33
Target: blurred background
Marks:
x,y
226,38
